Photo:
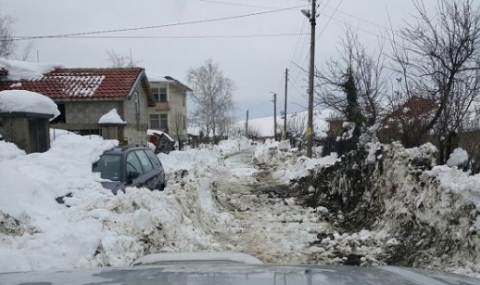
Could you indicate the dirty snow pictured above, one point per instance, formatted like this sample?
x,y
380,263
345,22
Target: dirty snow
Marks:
x,y
27,101
235,196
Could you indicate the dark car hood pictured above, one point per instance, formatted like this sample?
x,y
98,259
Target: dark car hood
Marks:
x,y
239,275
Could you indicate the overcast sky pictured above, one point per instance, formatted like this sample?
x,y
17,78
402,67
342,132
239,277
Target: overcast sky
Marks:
x,y
253,51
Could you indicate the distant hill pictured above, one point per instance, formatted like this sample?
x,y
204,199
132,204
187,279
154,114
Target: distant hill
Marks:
x,y
264,126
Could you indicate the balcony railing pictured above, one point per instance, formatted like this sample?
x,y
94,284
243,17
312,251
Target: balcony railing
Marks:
x,y
162,106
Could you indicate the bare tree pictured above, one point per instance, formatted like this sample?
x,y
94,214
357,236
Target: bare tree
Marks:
x,y
438,59
213,98
357,73
119,61
26,51
7,45
297,125
179,127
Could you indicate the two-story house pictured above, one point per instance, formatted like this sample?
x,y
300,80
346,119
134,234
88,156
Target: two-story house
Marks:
x,y
170,111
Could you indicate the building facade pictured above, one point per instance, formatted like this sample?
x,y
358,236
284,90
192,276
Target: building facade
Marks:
x,y
84,95
169,114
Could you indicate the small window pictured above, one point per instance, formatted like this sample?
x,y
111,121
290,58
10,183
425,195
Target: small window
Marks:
x,y
145,161
162,94
163,121
184,99
155,121
60,119
156,94
133,163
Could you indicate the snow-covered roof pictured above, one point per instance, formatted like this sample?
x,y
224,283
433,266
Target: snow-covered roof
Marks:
x,y
112,117
157,78
23,70
81,83
12,101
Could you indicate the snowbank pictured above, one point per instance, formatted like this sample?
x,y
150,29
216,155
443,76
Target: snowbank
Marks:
x,y
416,214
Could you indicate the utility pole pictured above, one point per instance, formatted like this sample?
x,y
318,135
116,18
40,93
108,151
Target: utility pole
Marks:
x,y
246,126
312,15
275,115
285,109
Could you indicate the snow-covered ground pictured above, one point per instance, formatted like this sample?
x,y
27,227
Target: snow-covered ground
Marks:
x,y
236,196
203,208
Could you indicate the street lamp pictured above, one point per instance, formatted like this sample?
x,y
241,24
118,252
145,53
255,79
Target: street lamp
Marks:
x,y
311,14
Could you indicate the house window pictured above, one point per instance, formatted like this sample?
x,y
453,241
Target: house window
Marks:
x,y
163,94
184,98
155,121
159,121
164,121
160,94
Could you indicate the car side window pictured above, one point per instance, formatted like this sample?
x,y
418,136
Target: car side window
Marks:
x,y
133,163
153,158
144,160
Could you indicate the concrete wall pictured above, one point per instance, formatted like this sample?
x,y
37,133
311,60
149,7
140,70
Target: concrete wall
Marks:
x,y
85,115
137,119
28,132
88,113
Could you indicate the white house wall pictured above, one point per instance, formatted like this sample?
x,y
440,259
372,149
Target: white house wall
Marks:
x,y
137,125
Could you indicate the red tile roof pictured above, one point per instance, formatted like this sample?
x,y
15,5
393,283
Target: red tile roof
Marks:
x,y
78,83
415,107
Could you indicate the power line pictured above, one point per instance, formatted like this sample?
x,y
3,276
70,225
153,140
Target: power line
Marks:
x,y
157,26
182,37
236,4
330,19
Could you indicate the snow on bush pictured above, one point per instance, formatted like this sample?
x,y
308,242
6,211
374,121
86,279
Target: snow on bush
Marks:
x,y
458,157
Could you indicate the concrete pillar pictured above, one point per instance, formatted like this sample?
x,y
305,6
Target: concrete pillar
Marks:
x,y
113,132
29,131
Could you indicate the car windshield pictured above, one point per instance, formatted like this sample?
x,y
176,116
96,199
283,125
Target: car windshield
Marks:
x,y
108,166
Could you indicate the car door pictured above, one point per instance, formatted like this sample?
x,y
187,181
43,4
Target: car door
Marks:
x,y
134,170
158,168
150,174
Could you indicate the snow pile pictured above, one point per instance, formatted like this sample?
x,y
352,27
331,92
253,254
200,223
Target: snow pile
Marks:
x,y
22,70
417,214
288,164
99,229
381,205
112,117
28,102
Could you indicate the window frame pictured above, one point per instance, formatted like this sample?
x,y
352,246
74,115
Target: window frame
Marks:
x,y
143,157
127,162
